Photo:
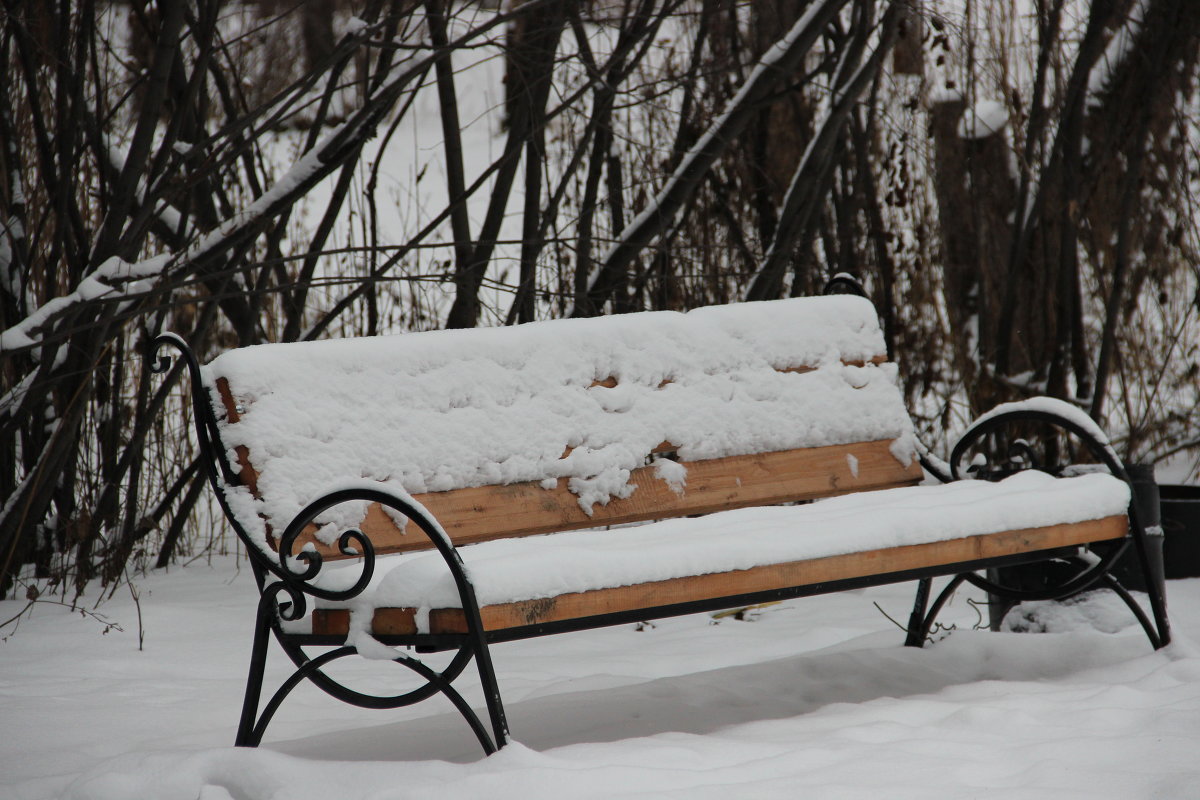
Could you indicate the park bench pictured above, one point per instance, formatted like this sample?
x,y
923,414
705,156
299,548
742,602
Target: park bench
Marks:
x,y
451,490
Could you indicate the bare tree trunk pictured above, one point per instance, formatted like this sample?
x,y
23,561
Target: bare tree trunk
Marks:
x,y
781,61
533,41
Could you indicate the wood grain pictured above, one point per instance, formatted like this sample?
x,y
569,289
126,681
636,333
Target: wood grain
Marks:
x,y
482,513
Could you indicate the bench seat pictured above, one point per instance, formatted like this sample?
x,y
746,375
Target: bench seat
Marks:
x,y
542,579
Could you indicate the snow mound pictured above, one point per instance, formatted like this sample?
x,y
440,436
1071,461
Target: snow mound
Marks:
x,y
982,120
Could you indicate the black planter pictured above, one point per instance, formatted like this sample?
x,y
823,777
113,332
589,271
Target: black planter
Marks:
x,y
1181,529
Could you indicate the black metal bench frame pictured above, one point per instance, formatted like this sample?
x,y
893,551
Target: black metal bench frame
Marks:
x,y
284,589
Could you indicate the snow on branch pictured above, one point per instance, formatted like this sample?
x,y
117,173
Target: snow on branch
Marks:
x,y
1119,48
778,64
115,279
804,192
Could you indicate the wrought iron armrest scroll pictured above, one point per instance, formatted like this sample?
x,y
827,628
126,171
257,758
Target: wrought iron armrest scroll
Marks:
x,y
355,543
998,455
1021,453
473,644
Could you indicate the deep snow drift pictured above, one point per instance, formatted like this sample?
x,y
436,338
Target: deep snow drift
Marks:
x,y
813,698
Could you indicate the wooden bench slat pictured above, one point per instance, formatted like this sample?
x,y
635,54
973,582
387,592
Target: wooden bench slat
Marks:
x,y
483,513
401,621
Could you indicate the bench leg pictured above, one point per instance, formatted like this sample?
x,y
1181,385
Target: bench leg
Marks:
x,y
1157,631
1149,515
916,620
251,726
491,693
920,623
258,664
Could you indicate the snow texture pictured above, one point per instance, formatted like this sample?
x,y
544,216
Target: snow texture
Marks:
x,y
1054,406
530,568
813,698
118,278
982,120
451,409
111,277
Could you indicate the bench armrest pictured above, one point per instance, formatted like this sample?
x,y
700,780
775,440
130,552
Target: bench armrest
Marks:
x,y
302,569
1045,434
297,574
996,454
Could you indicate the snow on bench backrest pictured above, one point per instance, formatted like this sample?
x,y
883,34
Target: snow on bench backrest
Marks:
x,y
566,415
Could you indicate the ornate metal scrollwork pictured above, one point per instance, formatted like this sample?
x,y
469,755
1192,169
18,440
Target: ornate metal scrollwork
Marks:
x,y
1050,436
1017,437
287,578
297,583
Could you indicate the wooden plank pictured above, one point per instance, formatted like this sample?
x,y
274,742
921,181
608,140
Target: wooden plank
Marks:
x,y
482,513
400,621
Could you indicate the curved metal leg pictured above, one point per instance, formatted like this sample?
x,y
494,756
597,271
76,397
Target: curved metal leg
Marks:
x,y
433,678
487,672
918,625
253,723
258,663
1160,636
1155,636
991,451
286,688
338,691
1157,631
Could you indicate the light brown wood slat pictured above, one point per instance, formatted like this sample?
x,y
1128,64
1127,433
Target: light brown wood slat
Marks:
x,y
400,621
482,513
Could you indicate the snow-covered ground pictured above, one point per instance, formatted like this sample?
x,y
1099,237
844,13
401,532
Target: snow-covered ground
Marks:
x,y
813,698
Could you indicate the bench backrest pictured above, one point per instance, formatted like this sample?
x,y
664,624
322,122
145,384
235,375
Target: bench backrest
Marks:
x,y
570,423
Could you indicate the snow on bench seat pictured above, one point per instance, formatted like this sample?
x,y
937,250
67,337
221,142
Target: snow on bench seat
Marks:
x,y
583,573
551,425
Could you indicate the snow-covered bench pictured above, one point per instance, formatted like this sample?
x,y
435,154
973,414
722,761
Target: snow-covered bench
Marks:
x,y
451,449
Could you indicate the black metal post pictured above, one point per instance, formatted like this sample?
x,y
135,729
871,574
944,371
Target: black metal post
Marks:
x,y
258,664
1148,544
916,620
